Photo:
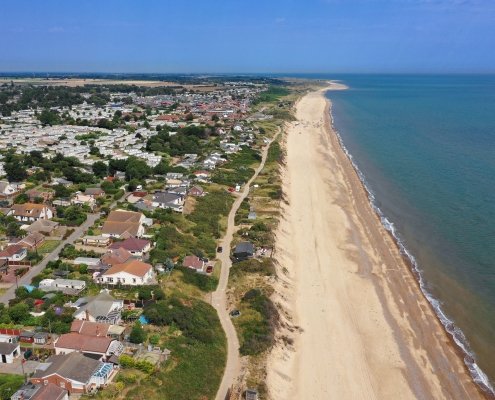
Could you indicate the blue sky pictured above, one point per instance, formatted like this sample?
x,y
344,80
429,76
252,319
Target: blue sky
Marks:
x,y
248,36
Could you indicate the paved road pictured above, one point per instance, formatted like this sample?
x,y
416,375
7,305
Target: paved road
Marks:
x,y
219,299
26,278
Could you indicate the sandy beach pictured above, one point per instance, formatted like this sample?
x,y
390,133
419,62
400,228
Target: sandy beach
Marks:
x,y
361,327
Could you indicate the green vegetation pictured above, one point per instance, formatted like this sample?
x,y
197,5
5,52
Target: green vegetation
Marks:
x,y
137,335
198,347
239,169
257,322
9,384
263,267
273,94
202,282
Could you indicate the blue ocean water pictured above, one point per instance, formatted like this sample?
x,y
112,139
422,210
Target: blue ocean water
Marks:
x,y
426,148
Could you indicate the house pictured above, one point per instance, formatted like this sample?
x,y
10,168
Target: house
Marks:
x,y
243,251
196,191
90,262
30,212
98,329
169,200
74,372
137,247
9,352
61,181
34,194
13,252
31,241
26,337
83,199
41,338
132,273
202,175
90,240
115,256
8,189
124,224
97,347
44,226
101,308
94,192
50,391
194,262
66,286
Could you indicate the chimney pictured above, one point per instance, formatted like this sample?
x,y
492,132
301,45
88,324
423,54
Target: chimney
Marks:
x,y
87,315
97,330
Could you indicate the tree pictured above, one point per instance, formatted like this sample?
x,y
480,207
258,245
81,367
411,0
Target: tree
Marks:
x,y
137,169
21,198
61,191
13,230
19,312
15,171
100,169
48,117
138,335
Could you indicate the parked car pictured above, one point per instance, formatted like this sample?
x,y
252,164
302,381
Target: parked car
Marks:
x,y
209,269
219,249
235,313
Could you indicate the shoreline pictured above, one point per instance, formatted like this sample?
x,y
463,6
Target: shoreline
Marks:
x,y
396,345
456,336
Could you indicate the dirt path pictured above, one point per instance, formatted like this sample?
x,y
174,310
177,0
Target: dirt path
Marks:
x,y
219,299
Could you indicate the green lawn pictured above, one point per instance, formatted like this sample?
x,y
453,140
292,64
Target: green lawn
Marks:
x,y
9,384
48,246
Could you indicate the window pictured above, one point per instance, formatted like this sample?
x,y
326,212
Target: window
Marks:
x,y
133,280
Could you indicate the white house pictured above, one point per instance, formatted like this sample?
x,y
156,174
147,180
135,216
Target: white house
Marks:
x,y
30,212
133,273
83,199
13,252
9,352
68,286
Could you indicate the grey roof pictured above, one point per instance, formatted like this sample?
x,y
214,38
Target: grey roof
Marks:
x,y
244,247
8,348
166,197
99,305
72,366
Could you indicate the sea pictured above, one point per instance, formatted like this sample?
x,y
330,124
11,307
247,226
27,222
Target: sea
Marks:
x,y
424,146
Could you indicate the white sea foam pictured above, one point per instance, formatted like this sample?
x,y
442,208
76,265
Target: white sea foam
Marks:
x,y
455,332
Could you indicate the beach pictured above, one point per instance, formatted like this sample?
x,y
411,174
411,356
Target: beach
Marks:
x,y
360,326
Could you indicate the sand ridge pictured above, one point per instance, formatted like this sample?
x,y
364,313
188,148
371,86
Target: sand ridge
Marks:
x,y
362,329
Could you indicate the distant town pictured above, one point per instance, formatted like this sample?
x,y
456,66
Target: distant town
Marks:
x,y
114,235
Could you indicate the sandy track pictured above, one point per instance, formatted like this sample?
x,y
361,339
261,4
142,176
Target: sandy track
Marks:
x,y
365,331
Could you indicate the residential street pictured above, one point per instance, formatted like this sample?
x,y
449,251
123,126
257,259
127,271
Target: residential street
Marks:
x,y
219,299
26,279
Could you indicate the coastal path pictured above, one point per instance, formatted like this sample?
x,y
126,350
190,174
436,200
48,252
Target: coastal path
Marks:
x,y
219,297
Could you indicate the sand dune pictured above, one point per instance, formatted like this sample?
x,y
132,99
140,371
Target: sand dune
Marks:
x,y
364,329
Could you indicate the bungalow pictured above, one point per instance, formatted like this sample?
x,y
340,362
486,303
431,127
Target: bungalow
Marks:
x,y
132,273
34,194
61,181
82,199
98,329
202,175
13,252
97,347
137,247
74,372
168,200
124,224
115,256
101,308
9,352
100,240
66,286
45,226
94,192
31,241
243,251
30,212
194,262
196,191
49,391
8,189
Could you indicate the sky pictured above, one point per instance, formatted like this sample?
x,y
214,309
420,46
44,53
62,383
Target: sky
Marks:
x,y
248,36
